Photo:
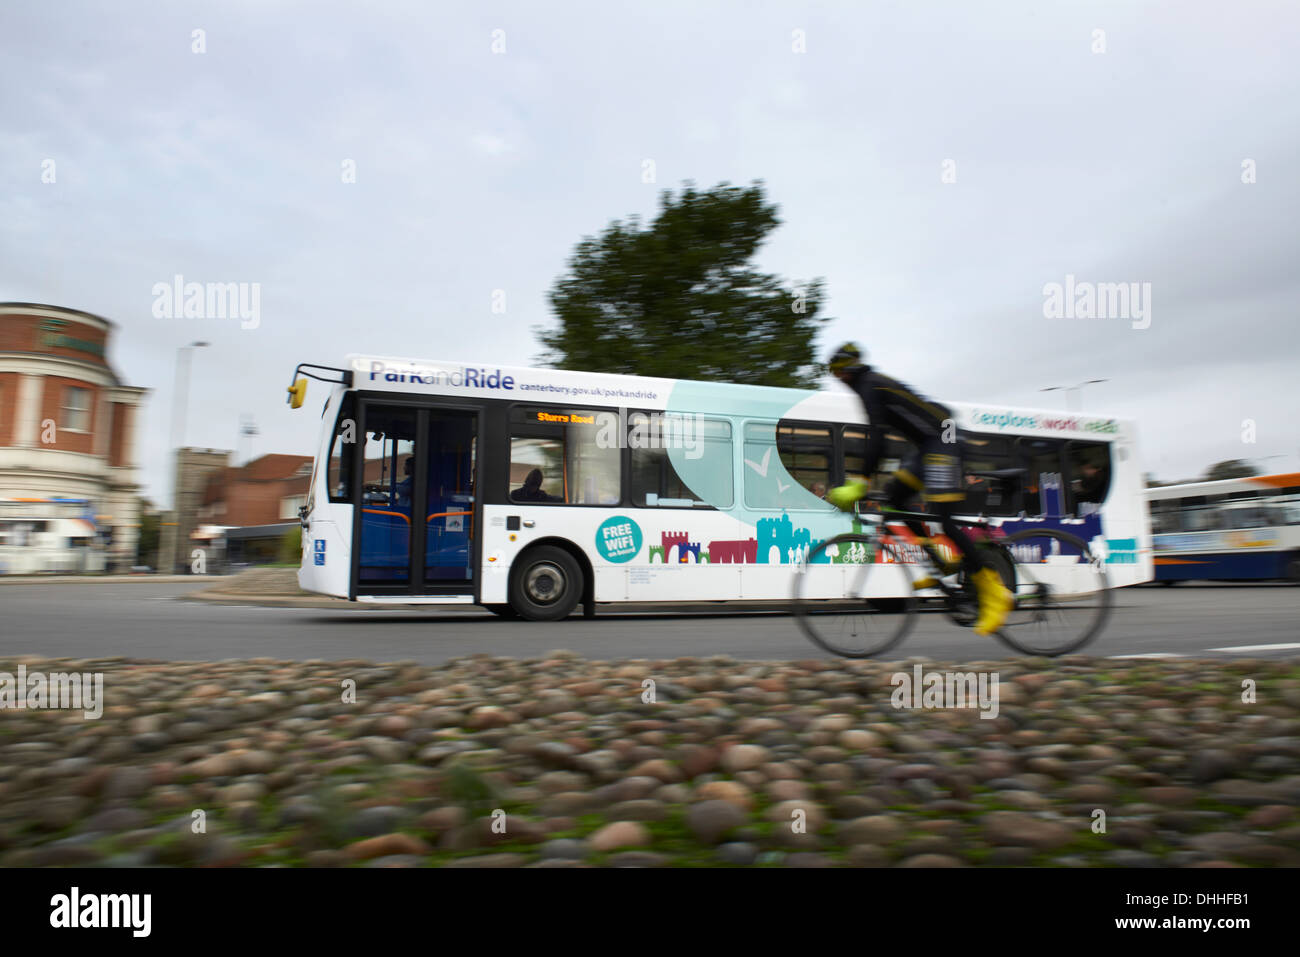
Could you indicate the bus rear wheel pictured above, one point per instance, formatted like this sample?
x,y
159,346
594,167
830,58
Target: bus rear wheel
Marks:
x,y
545,584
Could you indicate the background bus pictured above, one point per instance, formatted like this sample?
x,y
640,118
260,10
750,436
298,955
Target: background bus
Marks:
x,y
1234,529
531,491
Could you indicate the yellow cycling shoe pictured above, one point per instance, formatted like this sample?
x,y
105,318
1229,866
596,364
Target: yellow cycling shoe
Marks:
x,y
995,601
923,583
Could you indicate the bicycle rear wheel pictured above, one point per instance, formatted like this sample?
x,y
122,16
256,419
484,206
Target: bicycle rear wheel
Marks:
x,y
1063,598
834,588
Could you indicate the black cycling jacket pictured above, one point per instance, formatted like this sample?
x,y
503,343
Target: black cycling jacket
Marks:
x,y
892,405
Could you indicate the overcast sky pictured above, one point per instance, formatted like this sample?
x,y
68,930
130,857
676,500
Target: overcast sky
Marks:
x,y
478,171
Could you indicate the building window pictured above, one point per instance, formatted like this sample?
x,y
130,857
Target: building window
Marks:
x,y
290,504
76,409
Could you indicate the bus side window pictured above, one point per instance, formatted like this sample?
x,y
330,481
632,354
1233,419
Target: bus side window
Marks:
x,y
1248,518
1087,476
1202,518
855,450
342,458
537,469
855,462
1043,492
706,457
562,455
986,495
805,451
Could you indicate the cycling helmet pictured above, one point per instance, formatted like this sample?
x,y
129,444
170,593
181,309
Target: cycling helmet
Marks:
x,y
846,357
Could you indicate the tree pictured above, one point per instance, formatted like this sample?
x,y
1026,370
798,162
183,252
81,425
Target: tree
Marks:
x,y
681,298
146,550
1229,469
291,546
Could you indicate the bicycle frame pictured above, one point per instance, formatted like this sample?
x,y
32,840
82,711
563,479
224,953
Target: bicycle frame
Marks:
x,y
890,521
893,519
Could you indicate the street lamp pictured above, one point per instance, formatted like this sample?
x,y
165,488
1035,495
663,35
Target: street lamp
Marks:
x,y
181,393
1076,390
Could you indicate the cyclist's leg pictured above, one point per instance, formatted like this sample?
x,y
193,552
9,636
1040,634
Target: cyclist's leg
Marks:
x,y
942,472
902,487
970,562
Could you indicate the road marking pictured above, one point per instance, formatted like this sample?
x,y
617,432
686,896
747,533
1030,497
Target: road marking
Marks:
x,y
1287,646
1154,654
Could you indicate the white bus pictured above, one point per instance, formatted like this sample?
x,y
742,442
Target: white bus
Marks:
x,y
1234,529
534,491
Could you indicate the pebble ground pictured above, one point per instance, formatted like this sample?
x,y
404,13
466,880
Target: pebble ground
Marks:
x,y
561,762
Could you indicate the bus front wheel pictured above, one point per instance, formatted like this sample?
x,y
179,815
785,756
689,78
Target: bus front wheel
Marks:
x,y
545,584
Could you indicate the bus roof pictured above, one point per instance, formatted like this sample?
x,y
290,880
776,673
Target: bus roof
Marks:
x,y
1261,485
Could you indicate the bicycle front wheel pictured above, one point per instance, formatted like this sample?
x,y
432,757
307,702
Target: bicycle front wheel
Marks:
x,y
838,592
1063,597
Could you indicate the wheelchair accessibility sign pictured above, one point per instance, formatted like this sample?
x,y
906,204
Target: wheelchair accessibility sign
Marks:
x,y
320,551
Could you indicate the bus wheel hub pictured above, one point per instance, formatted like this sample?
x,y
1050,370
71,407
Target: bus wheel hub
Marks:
x,y
544,582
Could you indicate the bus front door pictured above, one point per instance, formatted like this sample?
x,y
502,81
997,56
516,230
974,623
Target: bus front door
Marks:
x,y
449,499
417,501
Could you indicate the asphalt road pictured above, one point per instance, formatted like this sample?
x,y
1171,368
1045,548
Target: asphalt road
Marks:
x,y
154,620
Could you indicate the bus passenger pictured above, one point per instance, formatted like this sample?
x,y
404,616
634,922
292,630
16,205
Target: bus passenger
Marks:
x,y
531,490
1092,487
404,486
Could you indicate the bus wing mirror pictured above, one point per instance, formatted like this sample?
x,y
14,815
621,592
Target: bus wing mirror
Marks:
x,y
297,392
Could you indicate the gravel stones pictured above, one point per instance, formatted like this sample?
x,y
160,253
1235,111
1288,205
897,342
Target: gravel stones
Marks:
x,y
558,762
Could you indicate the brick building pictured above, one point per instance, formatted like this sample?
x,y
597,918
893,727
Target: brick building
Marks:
x,y
67,435
266,491
254,505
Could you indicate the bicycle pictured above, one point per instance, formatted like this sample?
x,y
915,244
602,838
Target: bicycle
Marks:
x,y
847,589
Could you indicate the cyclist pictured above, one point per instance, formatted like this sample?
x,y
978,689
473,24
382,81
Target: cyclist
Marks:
x,y
934,469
